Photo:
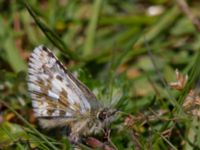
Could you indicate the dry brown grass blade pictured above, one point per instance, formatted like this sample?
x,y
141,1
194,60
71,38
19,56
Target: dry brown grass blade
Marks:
x,y
186,10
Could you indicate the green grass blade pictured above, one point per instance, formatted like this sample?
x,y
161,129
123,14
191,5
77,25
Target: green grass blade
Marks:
x,y
52,36
193,77
167,141
13,57
31,127
90,33
163,23
11,137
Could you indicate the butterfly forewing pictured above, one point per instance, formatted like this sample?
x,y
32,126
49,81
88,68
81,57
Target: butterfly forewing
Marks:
x,y
55,92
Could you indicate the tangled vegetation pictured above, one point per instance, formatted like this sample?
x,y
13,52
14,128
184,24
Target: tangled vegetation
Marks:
x,y
140,57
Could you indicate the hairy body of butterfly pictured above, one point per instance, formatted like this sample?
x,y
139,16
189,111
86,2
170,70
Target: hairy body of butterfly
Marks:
x,y
59,99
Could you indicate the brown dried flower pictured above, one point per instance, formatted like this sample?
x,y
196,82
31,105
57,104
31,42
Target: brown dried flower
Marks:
x,y
181,81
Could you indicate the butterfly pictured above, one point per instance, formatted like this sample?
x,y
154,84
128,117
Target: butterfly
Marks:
x,y
59,99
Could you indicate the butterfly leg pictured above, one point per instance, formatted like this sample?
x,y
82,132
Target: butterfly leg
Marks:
x,y
77,129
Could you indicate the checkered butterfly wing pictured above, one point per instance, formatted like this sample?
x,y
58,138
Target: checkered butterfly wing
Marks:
x,y
55,92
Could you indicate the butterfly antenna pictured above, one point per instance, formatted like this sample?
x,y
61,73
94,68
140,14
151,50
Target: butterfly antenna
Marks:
x,y
123,113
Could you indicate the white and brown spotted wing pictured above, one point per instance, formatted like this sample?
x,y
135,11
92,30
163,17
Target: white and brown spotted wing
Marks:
x,y
59,99
57,96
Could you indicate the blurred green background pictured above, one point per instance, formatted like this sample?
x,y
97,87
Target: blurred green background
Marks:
x,y
126,52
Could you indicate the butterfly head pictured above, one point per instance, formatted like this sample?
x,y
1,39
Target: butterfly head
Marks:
x,y
106,114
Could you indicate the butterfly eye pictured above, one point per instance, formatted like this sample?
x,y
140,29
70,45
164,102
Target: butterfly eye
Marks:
x,y
102,115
